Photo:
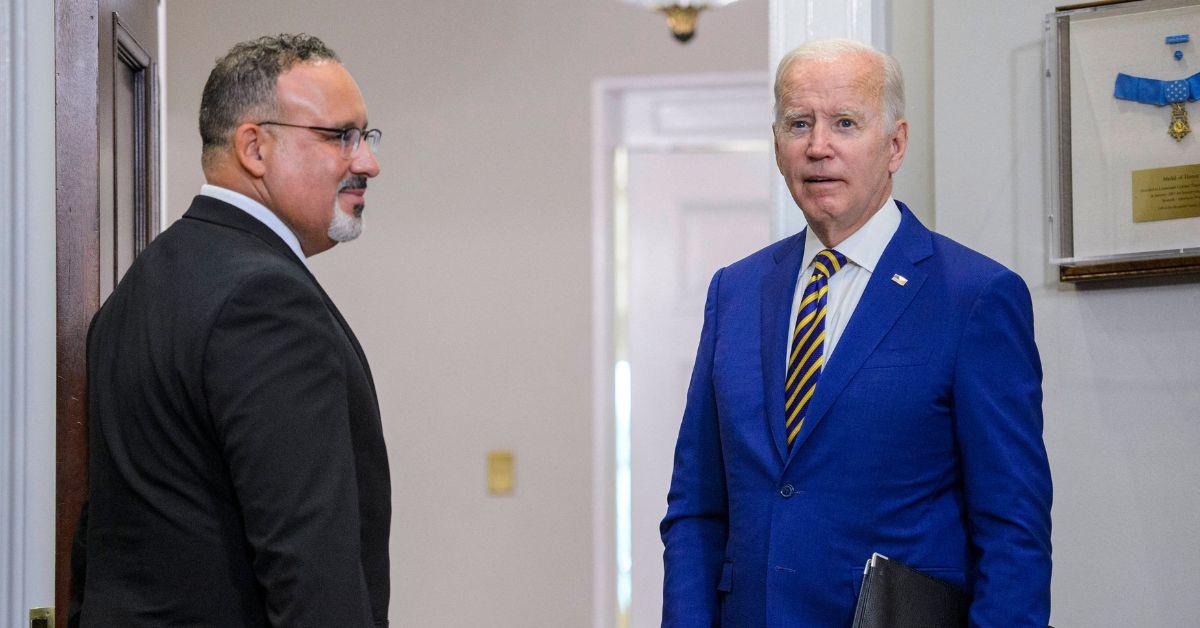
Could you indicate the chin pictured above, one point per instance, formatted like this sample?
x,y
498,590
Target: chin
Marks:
x,y
822,207
346,225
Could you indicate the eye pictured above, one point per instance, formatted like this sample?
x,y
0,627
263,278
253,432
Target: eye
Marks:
x,y
799,124
334,136
845,123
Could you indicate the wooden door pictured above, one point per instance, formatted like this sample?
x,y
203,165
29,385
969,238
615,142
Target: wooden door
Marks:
x,y
106,152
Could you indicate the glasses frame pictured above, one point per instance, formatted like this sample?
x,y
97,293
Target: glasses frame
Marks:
x,y
348,148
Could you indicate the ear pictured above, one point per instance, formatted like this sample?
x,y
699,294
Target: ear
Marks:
x,y
250,145
898,144
778,159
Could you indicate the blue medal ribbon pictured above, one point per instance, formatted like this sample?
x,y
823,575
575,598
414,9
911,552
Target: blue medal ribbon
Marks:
x,y
1156,92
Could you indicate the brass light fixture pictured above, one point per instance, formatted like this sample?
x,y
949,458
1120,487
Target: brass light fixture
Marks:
x,y
681,14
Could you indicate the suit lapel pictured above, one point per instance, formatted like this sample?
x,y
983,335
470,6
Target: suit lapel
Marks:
x,y
209,209
778,288
881,304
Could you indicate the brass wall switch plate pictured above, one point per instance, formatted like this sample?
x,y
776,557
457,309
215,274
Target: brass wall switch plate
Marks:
x,y
41,617
500,476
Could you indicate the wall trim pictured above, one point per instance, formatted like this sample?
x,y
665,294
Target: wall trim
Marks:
x,y
26,308
11,295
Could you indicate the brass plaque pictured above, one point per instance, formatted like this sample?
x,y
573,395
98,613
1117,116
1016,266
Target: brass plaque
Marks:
x,y
500,472
1166,193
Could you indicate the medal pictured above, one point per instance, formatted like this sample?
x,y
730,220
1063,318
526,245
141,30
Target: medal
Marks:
x,y
1161,93
1179,123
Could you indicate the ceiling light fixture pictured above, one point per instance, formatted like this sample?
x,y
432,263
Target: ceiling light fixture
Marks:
x,y
681,14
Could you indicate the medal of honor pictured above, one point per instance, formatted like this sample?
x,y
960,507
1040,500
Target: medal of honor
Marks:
x,y
1179,123
1161,93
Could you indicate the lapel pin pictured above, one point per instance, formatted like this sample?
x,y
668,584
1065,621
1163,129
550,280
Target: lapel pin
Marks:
x,y
900,279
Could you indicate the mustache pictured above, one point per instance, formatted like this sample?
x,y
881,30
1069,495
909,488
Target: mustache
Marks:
x,y
354,182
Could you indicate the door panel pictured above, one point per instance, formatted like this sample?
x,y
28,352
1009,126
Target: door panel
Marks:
x,y
690,213
128,192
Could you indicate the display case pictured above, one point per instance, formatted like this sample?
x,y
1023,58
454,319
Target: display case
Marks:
x,y
1123,163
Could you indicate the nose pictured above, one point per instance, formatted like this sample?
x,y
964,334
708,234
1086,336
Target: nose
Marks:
x,y
819,146
365,162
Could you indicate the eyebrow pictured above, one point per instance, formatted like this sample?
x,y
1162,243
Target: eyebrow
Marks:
x,y
351,125
794,114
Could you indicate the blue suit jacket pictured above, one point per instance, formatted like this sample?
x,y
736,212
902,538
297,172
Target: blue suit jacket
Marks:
x,y
923,442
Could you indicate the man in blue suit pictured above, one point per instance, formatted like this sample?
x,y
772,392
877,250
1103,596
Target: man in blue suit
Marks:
x,y
862,386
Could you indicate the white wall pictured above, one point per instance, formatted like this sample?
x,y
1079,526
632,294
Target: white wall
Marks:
x,y
1122,386
910,23
471,288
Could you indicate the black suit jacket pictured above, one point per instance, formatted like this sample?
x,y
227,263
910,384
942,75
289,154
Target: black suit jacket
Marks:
x,y
238,475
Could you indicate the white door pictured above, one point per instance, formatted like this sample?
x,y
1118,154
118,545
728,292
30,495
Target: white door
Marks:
x,y
690,214
691,192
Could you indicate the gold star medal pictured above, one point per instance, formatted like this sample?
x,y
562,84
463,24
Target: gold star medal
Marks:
x,y
1179,122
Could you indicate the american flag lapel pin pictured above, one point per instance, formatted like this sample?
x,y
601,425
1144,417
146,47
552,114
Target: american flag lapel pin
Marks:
x,y
900,279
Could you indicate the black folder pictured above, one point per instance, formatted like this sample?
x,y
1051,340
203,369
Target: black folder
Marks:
x,y
896,596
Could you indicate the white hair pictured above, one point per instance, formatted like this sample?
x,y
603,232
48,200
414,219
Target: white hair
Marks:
x,y
344,227
830,49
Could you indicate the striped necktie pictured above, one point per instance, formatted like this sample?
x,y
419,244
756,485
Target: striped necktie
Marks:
x,y
808,341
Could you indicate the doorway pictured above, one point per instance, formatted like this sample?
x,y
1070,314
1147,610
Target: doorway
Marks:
x,y
682,185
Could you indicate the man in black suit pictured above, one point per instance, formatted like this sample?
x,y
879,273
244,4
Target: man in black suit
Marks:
x,y
238,475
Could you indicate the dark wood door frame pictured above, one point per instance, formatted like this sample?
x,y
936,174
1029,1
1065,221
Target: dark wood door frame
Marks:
x,y
76,41
91,39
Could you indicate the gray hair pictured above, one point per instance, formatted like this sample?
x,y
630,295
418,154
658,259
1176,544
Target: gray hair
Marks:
x,y
243,82
829,49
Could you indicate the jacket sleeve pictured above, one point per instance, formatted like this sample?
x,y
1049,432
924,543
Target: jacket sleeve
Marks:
x,y
1006,476
696,525
78,569
275,384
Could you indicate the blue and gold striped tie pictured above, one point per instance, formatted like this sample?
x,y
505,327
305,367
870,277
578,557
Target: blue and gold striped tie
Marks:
x,y
808,342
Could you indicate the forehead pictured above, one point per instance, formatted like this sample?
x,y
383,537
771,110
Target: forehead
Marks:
x,y
855,79
321,94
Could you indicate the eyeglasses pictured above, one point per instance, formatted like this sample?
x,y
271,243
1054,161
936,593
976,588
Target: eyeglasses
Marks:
x,y
349,138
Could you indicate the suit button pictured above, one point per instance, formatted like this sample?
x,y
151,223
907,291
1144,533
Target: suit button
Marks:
x,y
786,490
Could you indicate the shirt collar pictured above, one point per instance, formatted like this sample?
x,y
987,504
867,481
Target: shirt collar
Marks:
x,y
259,211
865,246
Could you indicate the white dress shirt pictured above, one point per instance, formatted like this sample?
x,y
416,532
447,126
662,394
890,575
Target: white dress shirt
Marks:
x,y
259,211
862,250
